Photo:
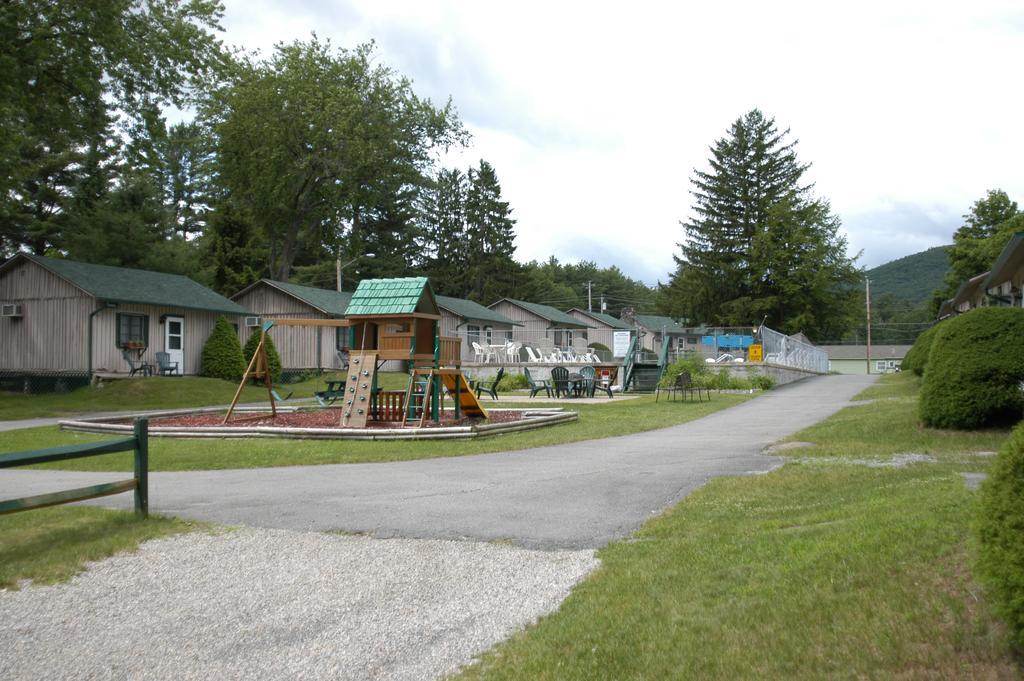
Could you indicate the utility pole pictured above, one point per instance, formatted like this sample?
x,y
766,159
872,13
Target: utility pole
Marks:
x,y
867,301
604,305
590,303
337,274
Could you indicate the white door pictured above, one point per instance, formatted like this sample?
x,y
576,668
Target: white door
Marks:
x,y
174,341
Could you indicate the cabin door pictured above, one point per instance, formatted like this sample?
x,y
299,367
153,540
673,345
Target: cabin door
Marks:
x,y
174,341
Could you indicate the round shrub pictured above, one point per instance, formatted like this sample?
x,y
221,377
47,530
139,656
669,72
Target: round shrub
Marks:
x,y
694,365
916,359
273,357
1001,535
975,370
510,382
222,354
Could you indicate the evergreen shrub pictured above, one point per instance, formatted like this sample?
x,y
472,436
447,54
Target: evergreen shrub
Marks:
x,y
916,359
273,357
1000,528
975,369
222,354
510,382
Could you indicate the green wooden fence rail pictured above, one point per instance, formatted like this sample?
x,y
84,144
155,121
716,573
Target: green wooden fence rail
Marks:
x,y
139,443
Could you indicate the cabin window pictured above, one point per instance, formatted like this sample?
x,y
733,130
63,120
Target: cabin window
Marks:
x,y
880,365
340,337
132,330
489,334
473,334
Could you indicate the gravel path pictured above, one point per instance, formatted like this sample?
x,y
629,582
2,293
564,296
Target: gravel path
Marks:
x,y
281,604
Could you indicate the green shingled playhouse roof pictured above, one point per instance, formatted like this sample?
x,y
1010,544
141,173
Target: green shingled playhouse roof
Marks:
x,y
390,296
123,285
467,309
331,302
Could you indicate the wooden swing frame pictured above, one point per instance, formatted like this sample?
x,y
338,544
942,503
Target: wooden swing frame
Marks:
x,y
259,366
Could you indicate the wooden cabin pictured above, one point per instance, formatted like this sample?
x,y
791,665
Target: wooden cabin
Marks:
x,y
656,330
540,324
73,319
472,323
301,347
971,294
399,319
1006,279
603,327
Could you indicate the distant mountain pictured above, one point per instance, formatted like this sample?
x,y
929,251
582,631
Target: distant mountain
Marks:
x,y
911,278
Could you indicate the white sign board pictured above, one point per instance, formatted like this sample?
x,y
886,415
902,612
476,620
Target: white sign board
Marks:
x,y
620,343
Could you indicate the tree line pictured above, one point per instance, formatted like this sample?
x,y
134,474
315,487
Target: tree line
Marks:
x,y
310,157
316,156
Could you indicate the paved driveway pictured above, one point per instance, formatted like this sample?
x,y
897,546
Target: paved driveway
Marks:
x,y
579,495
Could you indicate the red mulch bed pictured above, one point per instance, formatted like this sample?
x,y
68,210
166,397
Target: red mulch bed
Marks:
x,y
319,418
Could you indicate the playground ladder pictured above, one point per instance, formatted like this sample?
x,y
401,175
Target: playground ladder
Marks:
x,y
362,368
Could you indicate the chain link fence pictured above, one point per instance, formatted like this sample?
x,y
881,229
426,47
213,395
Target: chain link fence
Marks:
x,y
788,351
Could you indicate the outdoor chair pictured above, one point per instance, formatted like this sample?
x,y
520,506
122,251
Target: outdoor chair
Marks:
x,y
135,364
165,366
534,357
490,386
683,385
591,384
560,379
537,385
479,354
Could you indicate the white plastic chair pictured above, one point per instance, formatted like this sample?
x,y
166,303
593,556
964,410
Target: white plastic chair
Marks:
x,y
533,357
478,352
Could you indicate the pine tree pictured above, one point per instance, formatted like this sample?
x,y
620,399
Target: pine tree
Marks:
x,y
222,353
490,238
273,356
443,215
758,238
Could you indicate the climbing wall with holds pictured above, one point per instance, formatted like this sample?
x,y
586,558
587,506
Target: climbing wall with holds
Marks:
x,y
362,367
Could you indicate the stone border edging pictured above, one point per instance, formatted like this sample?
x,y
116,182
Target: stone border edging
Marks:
x,y
533,418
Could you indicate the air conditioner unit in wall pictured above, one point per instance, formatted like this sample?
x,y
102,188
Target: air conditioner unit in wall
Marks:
x,y
10,310
252,321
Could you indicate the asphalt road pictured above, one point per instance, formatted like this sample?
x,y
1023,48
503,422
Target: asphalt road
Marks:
x,y
573,496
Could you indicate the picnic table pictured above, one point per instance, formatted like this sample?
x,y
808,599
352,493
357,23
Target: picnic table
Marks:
x,y
335,390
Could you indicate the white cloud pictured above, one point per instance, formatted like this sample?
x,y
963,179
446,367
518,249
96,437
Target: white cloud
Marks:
x,y
595,117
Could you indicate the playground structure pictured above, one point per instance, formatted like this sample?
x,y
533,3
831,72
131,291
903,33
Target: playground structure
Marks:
x,y
387,319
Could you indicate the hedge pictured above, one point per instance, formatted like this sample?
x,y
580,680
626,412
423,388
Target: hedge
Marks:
x,y
273,356
222,354
975,370
1000,530
916,359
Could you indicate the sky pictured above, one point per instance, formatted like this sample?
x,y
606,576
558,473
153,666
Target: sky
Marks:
x,y
595,115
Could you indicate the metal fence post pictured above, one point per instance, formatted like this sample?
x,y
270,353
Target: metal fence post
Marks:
x,y
142,467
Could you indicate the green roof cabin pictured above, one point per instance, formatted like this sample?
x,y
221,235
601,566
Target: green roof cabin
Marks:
x,y
301,347
71,320
471,322
542,325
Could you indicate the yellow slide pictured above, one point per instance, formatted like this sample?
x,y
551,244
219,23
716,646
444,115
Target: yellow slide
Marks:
x,y
467,398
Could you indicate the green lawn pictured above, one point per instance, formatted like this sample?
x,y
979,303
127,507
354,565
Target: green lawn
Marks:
x,y
54,544
813,571
157,392
595,421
